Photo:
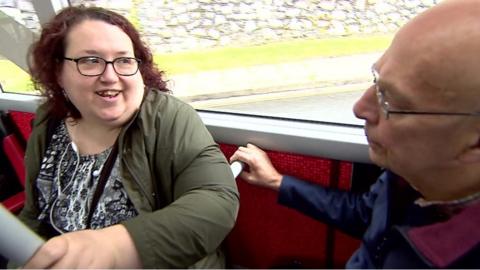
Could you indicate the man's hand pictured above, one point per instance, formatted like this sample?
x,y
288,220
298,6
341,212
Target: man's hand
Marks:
x,y
261,171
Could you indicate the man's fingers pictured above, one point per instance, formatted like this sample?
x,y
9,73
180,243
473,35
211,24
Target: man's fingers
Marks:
x,y
253,147
247,176
241,155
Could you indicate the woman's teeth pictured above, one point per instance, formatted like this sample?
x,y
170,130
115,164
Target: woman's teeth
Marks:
x,y
108,93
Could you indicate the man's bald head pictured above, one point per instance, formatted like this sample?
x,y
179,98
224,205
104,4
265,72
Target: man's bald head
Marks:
x,y
429,74
441,48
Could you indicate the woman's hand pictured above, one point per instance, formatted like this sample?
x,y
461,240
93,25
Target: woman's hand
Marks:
x,y
261,171
111,247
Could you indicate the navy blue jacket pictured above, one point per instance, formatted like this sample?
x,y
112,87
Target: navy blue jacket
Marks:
x,y
395,232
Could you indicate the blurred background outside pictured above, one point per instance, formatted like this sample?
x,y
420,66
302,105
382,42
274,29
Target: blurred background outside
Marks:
x,y
280,58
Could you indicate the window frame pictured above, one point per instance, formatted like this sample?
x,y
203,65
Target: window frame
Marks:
x,y
327,140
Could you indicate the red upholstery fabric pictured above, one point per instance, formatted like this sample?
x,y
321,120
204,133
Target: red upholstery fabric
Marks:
x,y
268,235
14,148
15,202
23,122
15,154
343,249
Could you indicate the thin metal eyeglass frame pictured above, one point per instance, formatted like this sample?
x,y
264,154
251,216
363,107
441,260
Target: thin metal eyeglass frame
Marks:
x,y
386,107
106,63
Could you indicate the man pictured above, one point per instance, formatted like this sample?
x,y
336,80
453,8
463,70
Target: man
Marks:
x,y
422,123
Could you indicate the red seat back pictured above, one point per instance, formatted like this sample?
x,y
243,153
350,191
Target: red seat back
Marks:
x,y
14,147
23,123
268,235
15,154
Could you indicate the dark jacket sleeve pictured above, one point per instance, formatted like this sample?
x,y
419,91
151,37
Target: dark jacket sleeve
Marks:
x,y
347,211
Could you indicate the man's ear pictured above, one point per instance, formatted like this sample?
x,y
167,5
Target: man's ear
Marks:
x,y
472,154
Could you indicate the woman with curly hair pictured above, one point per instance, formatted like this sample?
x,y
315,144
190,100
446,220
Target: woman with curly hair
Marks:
x,y
120,174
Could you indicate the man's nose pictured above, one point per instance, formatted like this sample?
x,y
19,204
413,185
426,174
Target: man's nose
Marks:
x,y
367,107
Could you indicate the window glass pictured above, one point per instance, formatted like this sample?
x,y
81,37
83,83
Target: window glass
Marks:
x,y
18,21
297,59
21,11
13,79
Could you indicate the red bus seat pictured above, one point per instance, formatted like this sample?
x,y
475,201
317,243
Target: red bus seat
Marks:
x,y
23,123
14,148
268,235
15,154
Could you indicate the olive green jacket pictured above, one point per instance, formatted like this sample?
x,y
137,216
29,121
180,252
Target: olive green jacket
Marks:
x,y
176,177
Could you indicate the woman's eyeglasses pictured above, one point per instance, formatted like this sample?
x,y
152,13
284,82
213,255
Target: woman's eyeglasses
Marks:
x,y
96,66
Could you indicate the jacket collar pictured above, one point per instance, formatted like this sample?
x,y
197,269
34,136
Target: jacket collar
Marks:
x,y
445,242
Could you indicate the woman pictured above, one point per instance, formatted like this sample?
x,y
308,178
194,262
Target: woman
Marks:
x,y
120,173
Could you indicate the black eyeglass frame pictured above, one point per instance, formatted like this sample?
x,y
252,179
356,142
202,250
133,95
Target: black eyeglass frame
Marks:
x,y
386,107
76,60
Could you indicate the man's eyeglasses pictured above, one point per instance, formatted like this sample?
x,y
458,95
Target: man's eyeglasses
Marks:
x,y
95,66
386,107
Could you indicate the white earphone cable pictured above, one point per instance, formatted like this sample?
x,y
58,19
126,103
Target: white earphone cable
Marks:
x,y
60,192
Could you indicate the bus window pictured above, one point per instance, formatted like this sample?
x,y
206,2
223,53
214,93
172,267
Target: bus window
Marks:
x,y
18,26
304,60
13,79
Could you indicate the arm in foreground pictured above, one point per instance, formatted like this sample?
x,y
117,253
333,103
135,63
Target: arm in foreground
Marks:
x,y
111,247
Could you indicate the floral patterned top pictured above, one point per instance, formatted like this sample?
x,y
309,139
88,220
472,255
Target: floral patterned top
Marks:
x,y
66,184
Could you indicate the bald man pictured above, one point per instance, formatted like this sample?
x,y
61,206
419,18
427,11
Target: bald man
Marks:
x,y
423,126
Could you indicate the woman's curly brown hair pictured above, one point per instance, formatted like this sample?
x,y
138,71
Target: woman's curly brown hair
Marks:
x,y
46,56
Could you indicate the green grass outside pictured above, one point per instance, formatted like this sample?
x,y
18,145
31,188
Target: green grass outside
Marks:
x,y
14,79
225,58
